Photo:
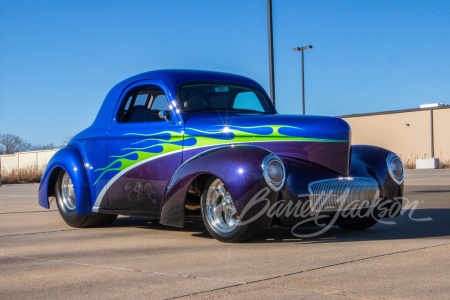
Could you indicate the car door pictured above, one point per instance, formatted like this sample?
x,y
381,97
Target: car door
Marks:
x,y
144,150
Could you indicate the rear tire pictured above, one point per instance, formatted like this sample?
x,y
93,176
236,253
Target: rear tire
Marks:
x,y
220,216
65,200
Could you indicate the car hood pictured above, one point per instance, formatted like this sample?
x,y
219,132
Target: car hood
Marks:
x,y
318,139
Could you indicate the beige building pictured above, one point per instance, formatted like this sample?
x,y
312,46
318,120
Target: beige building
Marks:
x,y
24,160
411,133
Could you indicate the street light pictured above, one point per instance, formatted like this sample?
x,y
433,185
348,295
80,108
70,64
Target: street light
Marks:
x,y
271,63
303,71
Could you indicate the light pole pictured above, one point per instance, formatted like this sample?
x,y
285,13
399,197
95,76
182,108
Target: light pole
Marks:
x,y
302,49
271,63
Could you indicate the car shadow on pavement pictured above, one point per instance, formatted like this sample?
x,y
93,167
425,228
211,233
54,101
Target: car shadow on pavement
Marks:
x,y
412,224
429,191
153,224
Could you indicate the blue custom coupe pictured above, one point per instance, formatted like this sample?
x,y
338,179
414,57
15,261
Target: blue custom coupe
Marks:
x,y
180,145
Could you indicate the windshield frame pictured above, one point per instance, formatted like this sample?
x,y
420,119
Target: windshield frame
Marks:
x,y
268,103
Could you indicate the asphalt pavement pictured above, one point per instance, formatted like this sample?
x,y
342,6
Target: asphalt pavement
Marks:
x,y
42,258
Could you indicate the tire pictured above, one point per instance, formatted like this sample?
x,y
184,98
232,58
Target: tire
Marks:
x,y
359,226
220,216
365,223
65,200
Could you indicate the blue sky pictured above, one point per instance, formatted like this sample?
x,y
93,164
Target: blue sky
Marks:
x,y
58,59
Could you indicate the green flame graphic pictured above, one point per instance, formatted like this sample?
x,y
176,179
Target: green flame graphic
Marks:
x,y
202,139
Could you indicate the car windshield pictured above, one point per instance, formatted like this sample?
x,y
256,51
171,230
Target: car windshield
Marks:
x,y
198,98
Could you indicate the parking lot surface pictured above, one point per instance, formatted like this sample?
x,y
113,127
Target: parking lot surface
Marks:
x,y
42,258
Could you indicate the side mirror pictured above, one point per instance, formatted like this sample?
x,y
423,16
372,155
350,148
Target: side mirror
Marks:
x,y
165,114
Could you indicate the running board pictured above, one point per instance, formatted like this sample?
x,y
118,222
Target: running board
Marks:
x,y
136,213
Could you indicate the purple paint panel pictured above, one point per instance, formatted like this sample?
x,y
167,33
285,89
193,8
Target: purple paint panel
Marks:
x,y
332,155
143,187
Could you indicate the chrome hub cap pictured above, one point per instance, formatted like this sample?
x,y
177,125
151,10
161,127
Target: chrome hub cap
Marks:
x,y
220,210
68,194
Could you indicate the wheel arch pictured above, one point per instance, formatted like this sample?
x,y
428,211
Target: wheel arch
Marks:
x,y
53,178
67,159
194,191
223,163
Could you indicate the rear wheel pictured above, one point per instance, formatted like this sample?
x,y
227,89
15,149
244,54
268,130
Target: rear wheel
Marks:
x,y
65,200
220,216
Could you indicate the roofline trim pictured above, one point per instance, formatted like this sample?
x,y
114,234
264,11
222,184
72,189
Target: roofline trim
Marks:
x,y
394,111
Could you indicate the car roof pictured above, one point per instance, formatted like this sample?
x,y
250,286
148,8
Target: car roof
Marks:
x,y
178,76
172,78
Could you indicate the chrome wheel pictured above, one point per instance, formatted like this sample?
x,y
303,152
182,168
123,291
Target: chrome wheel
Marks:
x,y
67,192
220,210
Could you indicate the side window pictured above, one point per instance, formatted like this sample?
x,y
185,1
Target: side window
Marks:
x,y
127,105
143,105
141,98
160,103
248,101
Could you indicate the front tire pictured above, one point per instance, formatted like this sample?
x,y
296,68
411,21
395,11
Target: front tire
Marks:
x,y
65,200
220,216
365,223
359,226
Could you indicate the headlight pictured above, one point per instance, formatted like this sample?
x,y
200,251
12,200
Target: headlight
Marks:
x,y
395,167
273,170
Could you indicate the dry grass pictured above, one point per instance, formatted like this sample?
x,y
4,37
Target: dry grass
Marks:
x,y
31,174
444,164
409,162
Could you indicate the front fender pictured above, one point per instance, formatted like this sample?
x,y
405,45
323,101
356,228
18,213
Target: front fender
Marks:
x,y
371,160
366,162
223,163
70,160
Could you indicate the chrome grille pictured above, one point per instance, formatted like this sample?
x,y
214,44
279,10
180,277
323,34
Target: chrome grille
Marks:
x,y
343,193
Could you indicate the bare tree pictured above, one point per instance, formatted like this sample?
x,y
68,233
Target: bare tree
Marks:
x,y
10,144
68,138
44,147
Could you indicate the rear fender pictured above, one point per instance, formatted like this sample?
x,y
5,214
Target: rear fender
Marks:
x,y
68,159
224,163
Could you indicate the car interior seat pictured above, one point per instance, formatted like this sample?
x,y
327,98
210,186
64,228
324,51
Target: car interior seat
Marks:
x,y
140,113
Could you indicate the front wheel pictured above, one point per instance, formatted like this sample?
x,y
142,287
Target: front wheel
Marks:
x,y
220,216
65,200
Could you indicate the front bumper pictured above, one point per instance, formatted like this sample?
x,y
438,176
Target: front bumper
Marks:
x,y
313,190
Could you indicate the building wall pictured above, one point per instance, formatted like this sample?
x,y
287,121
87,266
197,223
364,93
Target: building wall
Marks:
x,y
8,162
389,130
23,160
441,121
